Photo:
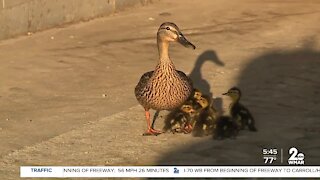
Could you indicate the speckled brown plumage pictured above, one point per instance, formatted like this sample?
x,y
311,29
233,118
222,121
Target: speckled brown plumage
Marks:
x,y
165,88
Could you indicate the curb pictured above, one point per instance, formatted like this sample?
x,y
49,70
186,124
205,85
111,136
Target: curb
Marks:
x,y
19,17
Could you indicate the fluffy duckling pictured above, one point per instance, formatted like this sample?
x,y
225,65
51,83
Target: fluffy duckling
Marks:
x,y
197,112
239,112
191,108
191,116
196,94
192,100
180,119
206,103
174,121
200,101
205,123
226,127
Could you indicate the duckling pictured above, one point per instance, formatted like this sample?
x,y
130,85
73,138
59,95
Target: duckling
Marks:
x,y
226,127
180,119
205,123
174,121
165,88
191,116
191,108
239,112
206,103
199,101
196,111
196,94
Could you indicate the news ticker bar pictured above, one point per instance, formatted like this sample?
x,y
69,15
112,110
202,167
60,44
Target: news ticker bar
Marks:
x,y
170,171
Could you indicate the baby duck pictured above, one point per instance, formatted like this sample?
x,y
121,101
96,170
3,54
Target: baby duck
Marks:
x,y
200,101
174,121
197,112
226,127
205,123
180,119
192,100
239,112
192,108
196,93
191,116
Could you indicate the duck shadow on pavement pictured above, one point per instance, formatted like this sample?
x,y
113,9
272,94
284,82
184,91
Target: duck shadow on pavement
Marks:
x,y
282,90
196,75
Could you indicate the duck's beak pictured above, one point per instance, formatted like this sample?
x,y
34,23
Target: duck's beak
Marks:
x,y
182,40
225,93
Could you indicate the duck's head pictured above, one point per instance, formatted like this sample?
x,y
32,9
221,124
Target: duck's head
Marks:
x,y
187,109
204,103
197,94
169,32
234,93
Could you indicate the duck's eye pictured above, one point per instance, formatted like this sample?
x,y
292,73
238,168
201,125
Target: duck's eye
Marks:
x,y
167,28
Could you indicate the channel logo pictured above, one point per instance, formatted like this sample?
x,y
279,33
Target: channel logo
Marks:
x,y
296,157
175,170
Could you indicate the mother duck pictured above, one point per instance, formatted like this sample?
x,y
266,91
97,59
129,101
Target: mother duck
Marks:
x,y
165,88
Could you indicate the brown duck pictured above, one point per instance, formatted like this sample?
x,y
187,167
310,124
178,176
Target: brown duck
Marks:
x,y
165,88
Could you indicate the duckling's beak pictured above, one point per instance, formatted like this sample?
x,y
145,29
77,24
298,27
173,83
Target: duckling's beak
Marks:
x,y
182,40
226,94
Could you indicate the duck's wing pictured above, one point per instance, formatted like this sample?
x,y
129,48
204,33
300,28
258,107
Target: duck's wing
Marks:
x,y
142,83
245,113
185,77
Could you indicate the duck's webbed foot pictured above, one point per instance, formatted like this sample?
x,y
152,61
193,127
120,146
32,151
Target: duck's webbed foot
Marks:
x,y
188,129
152,132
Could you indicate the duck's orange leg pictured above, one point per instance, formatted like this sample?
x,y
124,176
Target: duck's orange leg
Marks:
x,y
150,131
188,129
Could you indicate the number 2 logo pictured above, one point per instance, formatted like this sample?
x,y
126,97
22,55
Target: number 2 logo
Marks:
x,y
295,155
293,151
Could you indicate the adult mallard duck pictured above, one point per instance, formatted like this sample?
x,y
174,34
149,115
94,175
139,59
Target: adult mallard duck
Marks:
x,y
165,88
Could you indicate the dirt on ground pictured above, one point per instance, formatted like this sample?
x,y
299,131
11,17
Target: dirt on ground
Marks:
x,y
66,94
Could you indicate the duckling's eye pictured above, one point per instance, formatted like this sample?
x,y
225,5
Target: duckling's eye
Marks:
x,y
167,28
